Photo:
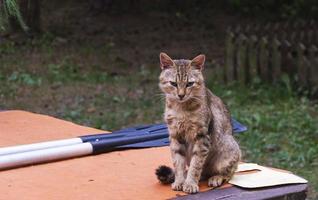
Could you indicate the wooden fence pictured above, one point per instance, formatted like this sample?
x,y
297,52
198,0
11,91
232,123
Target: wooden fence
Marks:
x,y
269,51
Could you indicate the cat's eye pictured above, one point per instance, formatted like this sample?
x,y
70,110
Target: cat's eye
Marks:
x,y
174,84
189,84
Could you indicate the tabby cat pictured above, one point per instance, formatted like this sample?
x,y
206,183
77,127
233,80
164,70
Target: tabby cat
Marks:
x,y
201,140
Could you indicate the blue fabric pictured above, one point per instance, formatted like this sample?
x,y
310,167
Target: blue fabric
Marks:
x,y
160,128
154,135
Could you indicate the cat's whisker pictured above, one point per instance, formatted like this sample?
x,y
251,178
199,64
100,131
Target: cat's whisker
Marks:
x,y
196,98
161,97
160,94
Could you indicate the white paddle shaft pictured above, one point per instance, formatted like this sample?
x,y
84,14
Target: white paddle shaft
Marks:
x,y
45,155
39,146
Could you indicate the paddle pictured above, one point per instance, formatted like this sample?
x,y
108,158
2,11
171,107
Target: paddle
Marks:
x,y
133,131
136,137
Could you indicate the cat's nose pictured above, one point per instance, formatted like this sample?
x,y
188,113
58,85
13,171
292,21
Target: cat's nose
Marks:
x,y
181,96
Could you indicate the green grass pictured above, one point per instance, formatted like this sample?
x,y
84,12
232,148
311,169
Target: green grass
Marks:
x,y
282,126
283,130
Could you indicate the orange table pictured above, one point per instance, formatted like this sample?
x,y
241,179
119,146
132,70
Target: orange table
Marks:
x,y
116,175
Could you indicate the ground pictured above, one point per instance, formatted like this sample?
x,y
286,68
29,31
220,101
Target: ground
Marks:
x,y
101,70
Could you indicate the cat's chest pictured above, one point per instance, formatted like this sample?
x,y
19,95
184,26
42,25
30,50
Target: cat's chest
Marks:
x,y
182,122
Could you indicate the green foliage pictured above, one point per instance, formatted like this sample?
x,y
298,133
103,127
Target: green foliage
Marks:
x,y
68,71
10,9
282,126
24,79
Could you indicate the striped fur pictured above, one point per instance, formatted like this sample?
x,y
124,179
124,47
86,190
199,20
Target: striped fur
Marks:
x,y
201,140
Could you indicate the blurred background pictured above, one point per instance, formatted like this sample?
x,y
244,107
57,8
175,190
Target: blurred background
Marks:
x,y
96,63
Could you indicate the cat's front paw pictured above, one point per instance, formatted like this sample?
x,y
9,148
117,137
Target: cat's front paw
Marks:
x,y
177,186
216,181
190,187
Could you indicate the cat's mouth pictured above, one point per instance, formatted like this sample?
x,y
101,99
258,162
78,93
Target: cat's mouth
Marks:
x,y
184,99
178,99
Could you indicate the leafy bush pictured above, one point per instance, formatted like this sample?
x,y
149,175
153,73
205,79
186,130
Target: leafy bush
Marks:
x,y
10,9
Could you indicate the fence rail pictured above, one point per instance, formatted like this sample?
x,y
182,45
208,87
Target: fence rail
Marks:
x,y
269,51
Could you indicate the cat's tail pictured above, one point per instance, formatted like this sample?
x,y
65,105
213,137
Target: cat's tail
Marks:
x,y
165,174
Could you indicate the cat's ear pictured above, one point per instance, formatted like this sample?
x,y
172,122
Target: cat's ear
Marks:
x,y
165,61
198,62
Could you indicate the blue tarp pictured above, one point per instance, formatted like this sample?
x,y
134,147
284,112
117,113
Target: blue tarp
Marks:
x,y
155,135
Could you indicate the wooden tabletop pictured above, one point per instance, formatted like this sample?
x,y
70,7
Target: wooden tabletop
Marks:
x,y
116,175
